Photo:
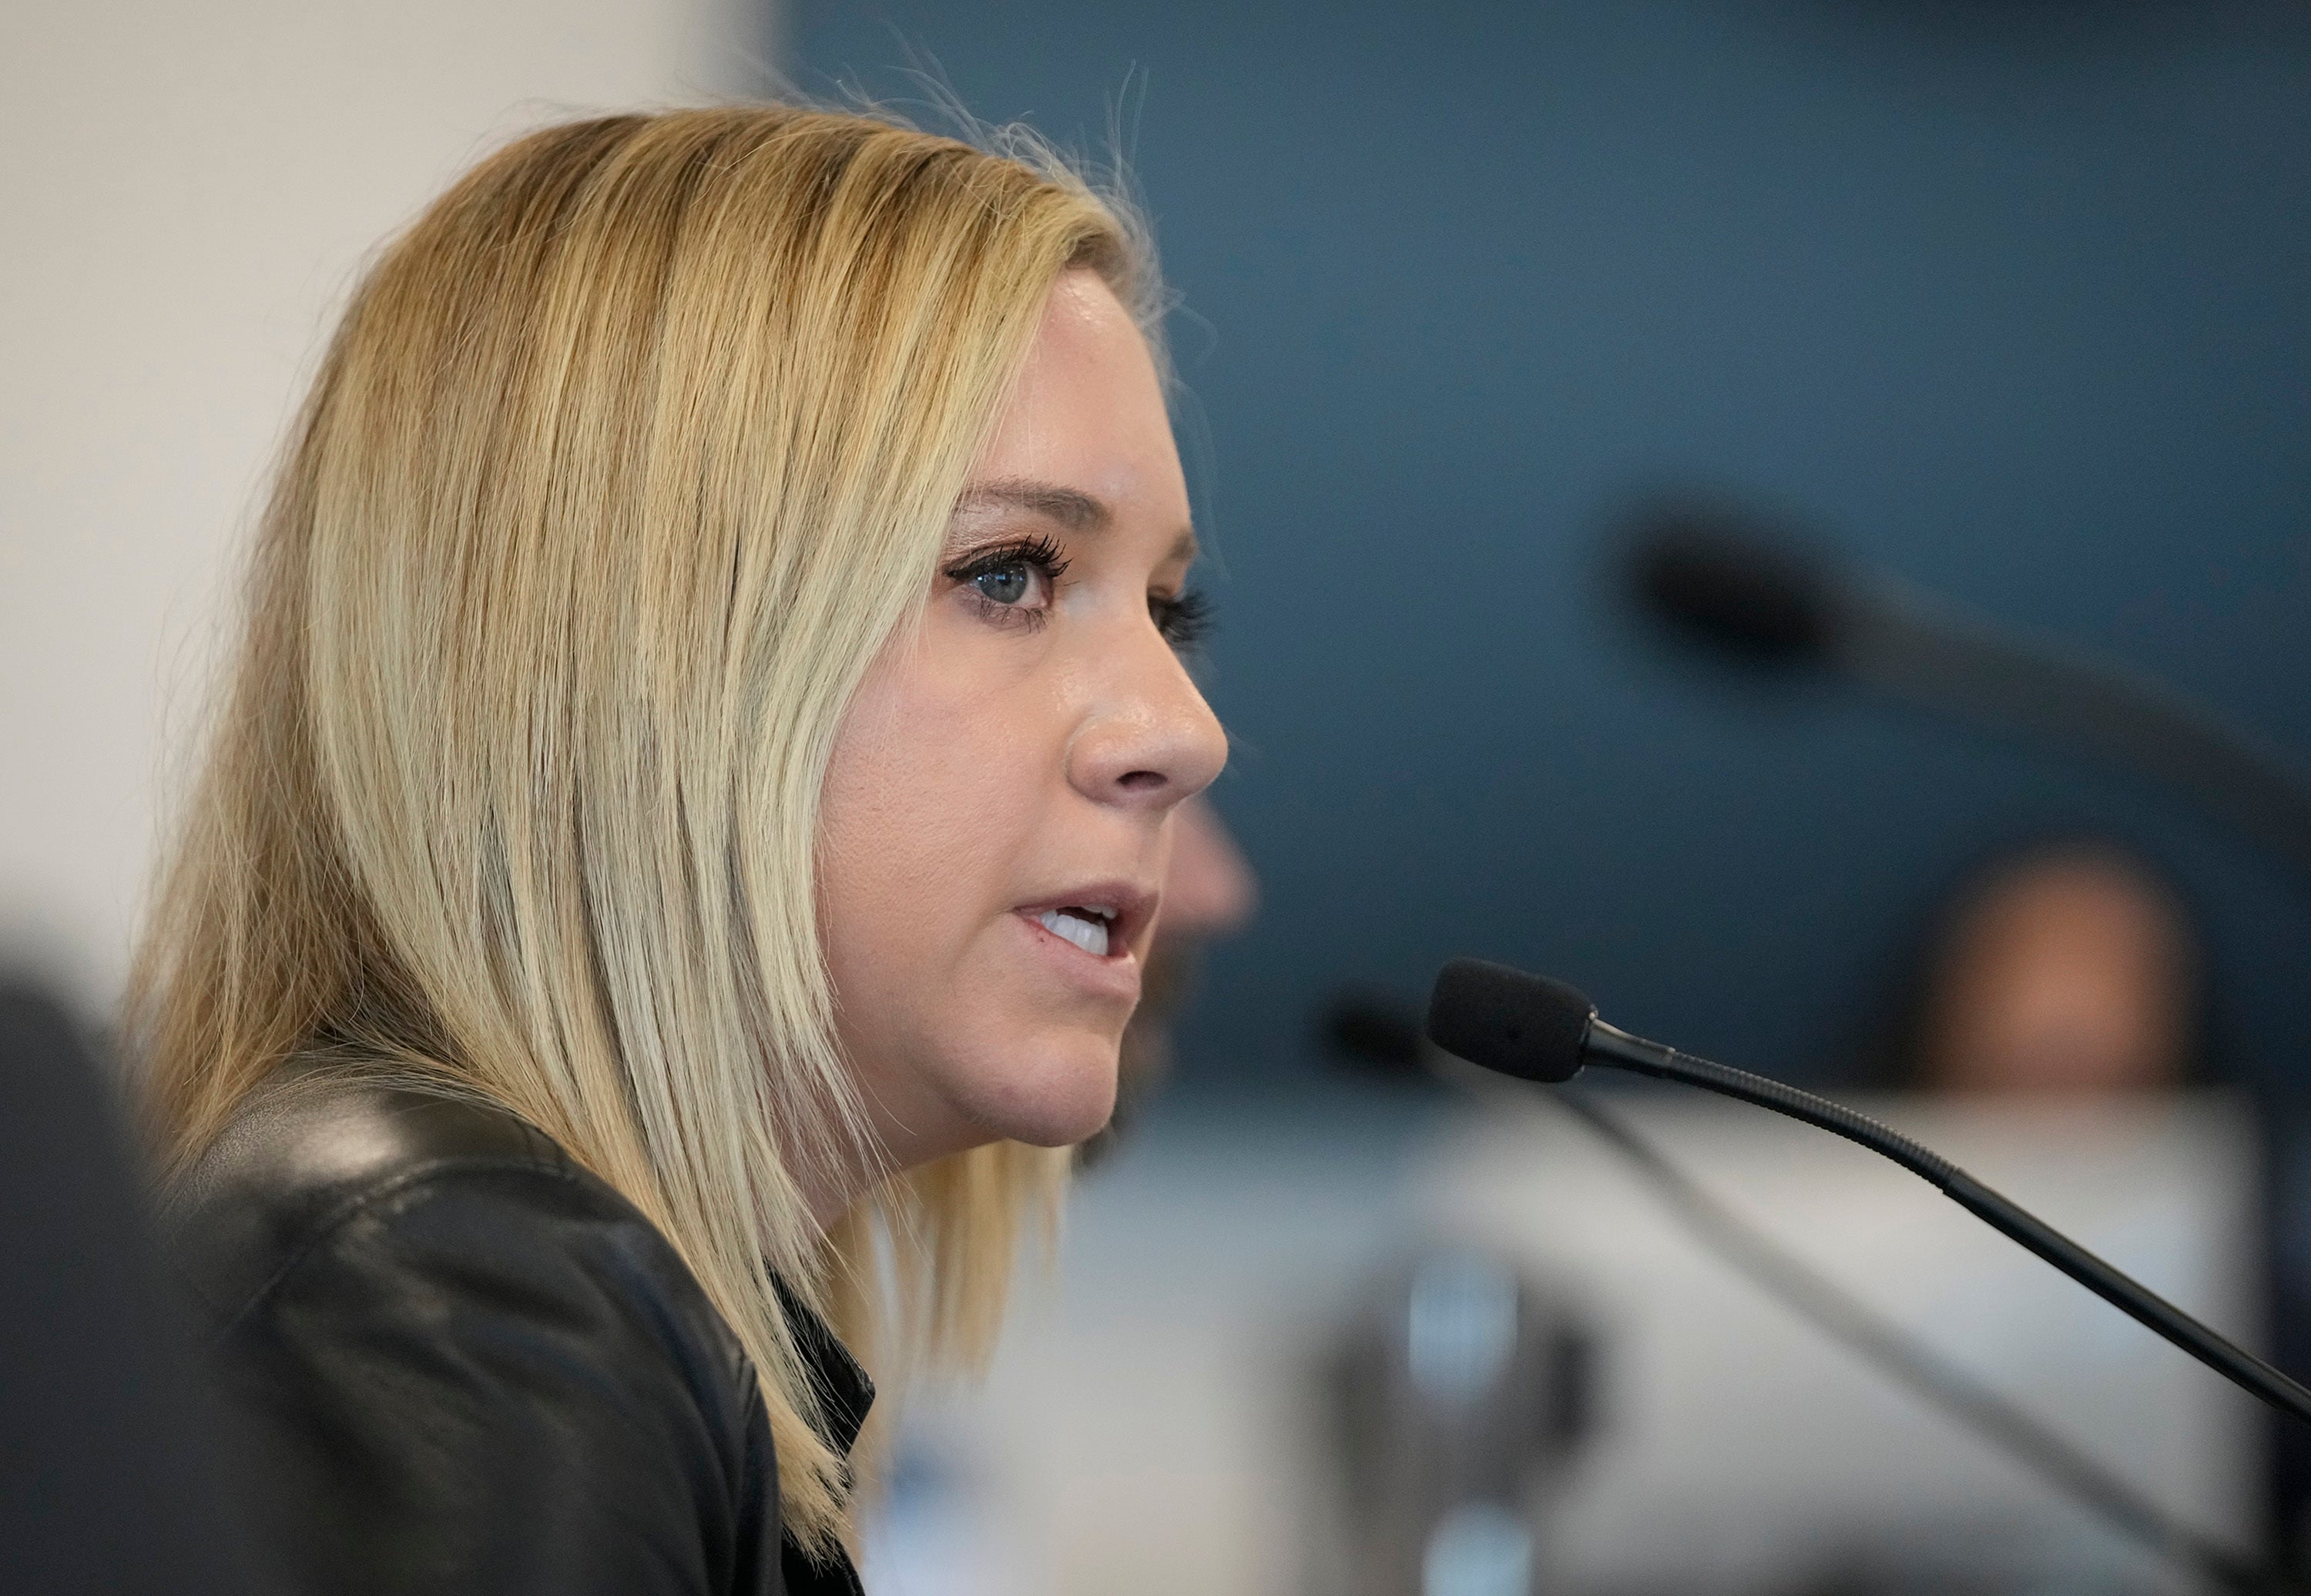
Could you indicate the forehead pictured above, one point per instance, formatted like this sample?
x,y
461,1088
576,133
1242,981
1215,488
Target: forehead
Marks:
x,y
1087,412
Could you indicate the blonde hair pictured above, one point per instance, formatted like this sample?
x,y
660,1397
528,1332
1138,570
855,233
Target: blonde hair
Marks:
x,y
625,462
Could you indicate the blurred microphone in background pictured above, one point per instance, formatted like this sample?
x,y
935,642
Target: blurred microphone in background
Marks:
x,y
2067,964
1755,592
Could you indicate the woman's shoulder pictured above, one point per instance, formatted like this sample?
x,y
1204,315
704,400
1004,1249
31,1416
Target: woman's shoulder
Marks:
x,y
328,1157
437,1332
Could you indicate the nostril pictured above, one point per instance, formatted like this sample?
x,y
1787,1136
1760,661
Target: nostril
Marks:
x,y
1140,780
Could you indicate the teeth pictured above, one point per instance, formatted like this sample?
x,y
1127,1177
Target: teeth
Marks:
x,y
1090,935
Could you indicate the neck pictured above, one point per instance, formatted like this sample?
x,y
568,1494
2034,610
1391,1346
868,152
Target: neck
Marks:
x,y
830,1198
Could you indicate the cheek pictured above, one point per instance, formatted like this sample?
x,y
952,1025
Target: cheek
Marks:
x,y
929,806
941,798
907,829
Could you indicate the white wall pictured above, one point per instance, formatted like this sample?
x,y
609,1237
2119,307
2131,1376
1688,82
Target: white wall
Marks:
x,y
185,191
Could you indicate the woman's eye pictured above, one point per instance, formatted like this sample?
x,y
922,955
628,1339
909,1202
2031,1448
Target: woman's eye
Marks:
x,y
1014,583
1005,584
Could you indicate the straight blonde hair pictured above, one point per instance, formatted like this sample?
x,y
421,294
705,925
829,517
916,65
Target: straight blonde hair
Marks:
x,y
626,459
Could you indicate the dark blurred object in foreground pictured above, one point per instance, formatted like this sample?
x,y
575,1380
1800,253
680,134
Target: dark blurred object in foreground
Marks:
x,y
105,1477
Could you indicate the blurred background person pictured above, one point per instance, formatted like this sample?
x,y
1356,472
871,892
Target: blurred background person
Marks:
x,y
2065,967
1209,891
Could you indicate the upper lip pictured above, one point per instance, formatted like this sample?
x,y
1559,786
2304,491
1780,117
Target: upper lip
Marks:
x,y
1132,907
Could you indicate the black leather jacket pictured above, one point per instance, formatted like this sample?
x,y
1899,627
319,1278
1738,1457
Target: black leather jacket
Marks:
x,y
459,1364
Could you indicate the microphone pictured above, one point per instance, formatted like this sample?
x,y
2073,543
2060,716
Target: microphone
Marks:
x,y
1748,591
1374,1032
1536,1029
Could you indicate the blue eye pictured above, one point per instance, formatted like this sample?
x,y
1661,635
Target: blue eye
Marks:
x,y
1005,584
1013,584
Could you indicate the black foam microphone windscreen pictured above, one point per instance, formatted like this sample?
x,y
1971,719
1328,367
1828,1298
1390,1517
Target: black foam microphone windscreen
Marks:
x,y
1529,1026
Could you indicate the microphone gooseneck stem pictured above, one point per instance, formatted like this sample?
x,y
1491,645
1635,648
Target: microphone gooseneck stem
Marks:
x,y
1904,642
1912,1364
1609,1045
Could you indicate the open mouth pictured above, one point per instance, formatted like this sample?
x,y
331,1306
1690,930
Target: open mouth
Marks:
x,y
1105,920
1086,927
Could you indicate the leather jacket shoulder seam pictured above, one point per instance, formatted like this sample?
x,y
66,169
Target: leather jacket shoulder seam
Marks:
x,y
351,1207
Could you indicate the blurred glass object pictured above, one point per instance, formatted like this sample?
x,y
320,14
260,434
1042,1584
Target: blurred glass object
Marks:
x,y
1479,1549
1459,1395
1461,1328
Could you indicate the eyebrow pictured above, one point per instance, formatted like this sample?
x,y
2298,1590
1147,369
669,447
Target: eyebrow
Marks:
x,y
1071,507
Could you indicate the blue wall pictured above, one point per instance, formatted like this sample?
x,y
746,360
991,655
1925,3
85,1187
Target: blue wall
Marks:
x,y
2014,299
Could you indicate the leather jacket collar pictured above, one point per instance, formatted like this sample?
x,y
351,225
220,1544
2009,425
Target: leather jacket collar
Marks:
x,y
845,1393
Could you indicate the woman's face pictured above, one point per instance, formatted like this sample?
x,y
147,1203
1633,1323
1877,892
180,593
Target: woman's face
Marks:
x,y
997,817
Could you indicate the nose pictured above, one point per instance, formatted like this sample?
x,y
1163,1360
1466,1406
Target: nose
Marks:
x,y
1151,741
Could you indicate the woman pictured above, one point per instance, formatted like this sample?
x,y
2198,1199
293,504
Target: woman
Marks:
x,y
691,802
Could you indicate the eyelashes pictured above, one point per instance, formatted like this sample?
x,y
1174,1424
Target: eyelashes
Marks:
x,y
1001,580
1015,584
1185,619
1039,553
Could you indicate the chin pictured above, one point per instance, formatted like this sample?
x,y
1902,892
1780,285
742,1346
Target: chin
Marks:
x,y
1054,1092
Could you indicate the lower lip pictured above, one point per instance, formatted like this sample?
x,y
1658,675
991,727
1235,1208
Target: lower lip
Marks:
x,y
1115,975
